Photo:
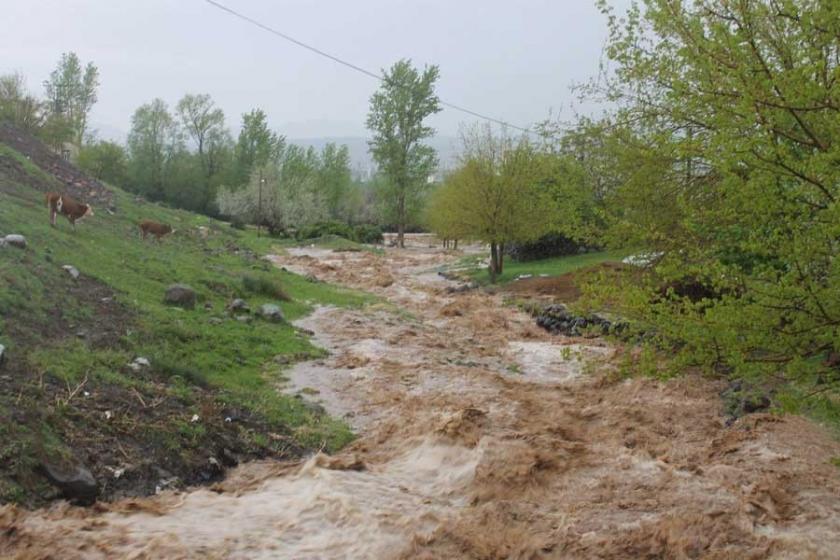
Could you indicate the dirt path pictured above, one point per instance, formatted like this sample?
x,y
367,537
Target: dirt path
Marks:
x,y
481,436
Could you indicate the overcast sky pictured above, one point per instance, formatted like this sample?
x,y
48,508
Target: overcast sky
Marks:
x,y
512,59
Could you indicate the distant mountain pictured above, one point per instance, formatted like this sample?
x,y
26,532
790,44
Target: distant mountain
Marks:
x,y
361,162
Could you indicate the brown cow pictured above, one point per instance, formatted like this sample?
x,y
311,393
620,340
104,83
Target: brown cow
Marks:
x,y
68,207
156,229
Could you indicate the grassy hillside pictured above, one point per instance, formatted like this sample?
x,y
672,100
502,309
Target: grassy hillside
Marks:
x,y
66,391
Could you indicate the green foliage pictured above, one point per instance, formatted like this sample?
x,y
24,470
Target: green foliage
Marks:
x,y
326,228
107,161
396,119
18,106
256,147
368,233
298,189
265,285
153,143
71,93
494,196
725,152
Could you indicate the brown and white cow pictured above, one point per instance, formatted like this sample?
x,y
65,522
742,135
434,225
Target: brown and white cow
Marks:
x,y
158,230
70,208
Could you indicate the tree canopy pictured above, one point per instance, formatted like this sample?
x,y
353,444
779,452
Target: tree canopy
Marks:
x,y
397,115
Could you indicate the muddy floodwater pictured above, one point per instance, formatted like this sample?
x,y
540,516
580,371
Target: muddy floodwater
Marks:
x,y
480,436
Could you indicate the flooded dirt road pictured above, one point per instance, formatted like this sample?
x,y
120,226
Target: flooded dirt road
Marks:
x,y
480,436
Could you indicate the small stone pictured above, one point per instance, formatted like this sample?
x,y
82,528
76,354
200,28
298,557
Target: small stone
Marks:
x,y
181,295
71,270
239,305
139,363
215,320
194,418
244,318
272,312
15,240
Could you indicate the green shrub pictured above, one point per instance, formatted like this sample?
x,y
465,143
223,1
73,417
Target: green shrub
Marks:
x,y
368,233
265,285
169,368
323,229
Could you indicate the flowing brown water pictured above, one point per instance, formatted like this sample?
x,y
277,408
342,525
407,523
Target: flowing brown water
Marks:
x,y
480,437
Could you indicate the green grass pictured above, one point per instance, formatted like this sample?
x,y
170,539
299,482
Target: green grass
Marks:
x,y
183,344
551,267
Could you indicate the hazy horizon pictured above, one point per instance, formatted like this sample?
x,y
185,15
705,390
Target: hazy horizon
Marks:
x,y
514,62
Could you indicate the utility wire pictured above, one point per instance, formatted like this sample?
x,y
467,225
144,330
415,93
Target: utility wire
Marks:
x,y
352,66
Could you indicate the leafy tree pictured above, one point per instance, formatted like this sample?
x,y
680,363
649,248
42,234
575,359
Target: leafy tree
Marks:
x,y
107,161
153,143
18,106
71,93
442,214
257,145
334,178
396,118
494,196
205,125
735,135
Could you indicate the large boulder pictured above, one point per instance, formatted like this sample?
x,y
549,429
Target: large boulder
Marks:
x,y
75,482
181,295
15,240
272,312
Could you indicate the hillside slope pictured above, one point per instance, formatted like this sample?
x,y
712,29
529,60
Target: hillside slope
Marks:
x,y
69,398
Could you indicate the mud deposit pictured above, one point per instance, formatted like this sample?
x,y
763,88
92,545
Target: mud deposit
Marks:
x,y
480,436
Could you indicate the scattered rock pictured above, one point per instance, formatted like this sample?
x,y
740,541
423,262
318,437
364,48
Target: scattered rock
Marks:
x,y
272,312
311,278
215,320
76,482
244,318
239,305
460,288
557,319
15,240
181,295
208,306
71,270
139,363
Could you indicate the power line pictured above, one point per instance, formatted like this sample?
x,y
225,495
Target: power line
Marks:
x,y
352,66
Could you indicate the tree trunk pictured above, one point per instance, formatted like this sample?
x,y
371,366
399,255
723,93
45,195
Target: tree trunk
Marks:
x,y
401,224
493,256
456,244
500,255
